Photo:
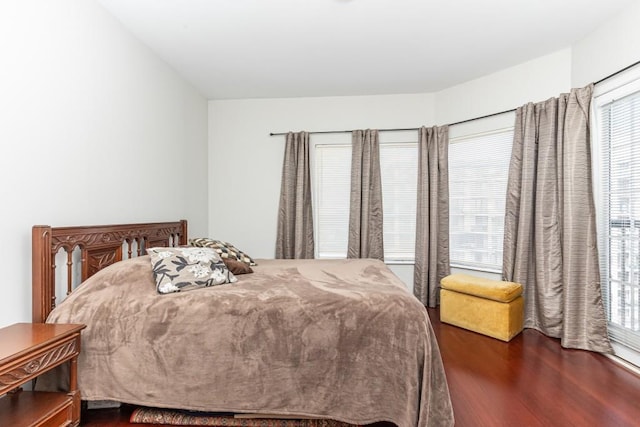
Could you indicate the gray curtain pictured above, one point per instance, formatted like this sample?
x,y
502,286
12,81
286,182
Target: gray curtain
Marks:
x,y
432,222
365,211
295,220
550,228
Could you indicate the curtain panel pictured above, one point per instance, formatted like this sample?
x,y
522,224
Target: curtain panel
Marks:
x,y
365,210
550,243
432,217
295,218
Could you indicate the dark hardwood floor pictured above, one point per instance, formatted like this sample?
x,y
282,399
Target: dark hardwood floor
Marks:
x,y
530,381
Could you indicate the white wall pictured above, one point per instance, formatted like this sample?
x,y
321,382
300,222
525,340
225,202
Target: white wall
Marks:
x,y
532,81
611,47
94,129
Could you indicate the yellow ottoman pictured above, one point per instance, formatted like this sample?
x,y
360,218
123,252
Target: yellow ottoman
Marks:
x,y
490,307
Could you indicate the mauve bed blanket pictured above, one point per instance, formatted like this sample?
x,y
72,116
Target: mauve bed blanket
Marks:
x,y
339,339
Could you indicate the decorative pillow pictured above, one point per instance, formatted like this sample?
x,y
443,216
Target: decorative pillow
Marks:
x,y
183,269
225,249
237,267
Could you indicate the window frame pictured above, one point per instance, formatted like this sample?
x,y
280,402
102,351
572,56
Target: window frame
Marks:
x,y
322,140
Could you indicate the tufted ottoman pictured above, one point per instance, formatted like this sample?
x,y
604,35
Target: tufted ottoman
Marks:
x,y
490,307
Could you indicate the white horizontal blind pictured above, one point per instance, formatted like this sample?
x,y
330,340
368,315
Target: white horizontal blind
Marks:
x,y
399,171
619,142
478,173
332,165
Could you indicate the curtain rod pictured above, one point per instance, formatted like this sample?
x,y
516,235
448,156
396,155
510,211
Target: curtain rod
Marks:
x,y
617,72
461,121
401,129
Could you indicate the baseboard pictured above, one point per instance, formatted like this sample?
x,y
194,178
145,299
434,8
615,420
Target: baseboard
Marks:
x,y
629,366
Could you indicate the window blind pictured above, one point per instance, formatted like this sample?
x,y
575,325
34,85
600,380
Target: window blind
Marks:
x,y
478,173
399,173
332,193
619,143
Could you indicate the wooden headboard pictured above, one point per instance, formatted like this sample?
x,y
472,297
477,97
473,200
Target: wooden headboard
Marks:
x,y
100,246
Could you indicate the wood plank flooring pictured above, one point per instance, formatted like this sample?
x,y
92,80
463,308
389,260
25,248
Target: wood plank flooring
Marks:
x,y
530,381
533,381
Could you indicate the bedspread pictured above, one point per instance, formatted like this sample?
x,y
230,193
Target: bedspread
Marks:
x,y
340,339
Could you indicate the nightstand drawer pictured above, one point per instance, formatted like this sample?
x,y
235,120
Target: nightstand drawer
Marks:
x,y
21,371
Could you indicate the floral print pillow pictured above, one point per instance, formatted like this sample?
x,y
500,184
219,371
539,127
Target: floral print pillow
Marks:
x,y
185,268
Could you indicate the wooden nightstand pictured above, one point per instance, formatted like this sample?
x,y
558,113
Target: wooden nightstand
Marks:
x,y
26,351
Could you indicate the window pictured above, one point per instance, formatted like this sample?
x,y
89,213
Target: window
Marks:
x,y
617,170
478,173
399,172
398,169
332,164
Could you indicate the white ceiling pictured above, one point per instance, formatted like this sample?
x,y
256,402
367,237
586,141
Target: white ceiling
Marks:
x,y
293,48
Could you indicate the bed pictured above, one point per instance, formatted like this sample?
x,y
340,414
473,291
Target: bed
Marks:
x,y
336,339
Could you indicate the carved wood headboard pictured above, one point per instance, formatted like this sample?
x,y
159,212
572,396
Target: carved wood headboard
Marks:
x,y
100,246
